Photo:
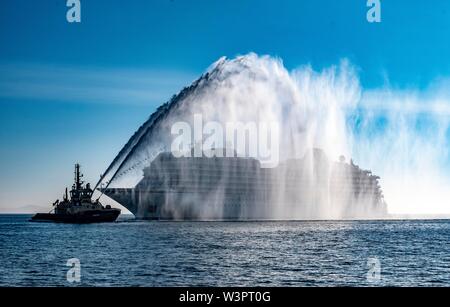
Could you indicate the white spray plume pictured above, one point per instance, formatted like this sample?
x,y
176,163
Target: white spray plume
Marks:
x,y
403,135
400,136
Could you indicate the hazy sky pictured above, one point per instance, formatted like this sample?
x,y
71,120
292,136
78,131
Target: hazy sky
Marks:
x,y
77,92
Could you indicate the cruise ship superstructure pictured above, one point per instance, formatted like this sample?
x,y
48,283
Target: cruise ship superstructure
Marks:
x,y
237,188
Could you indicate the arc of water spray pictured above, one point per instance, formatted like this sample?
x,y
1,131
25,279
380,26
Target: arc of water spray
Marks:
x,y
122,163
157,115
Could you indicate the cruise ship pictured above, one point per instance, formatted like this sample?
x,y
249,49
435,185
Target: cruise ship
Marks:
x,y
239,188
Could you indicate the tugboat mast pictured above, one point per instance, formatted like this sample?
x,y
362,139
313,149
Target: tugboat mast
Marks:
x,y
78,182
77,189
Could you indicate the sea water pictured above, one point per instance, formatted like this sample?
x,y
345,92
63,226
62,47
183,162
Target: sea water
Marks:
x,y
283,253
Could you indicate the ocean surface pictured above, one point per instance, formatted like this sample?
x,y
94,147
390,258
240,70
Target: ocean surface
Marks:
x,y
149,253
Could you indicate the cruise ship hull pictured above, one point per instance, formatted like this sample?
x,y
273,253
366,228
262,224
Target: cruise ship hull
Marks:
x,y
195,206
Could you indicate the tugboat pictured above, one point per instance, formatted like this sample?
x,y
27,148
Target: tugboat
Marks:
x,y
79,208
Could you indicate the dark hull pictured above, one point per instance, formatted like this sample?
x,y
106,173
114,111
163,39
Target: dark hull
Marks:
x,y
94,216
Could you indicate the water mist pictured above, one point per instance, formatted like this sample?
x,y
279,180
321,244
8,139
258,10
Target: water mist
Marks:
x,y
327,110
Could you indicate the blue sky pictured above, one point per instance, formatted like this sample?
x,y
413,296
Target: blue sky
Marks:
x,y
76,92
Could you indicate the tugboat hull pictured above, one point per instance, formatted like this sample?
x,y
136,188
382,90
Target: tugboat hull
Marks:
x,y
93,216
